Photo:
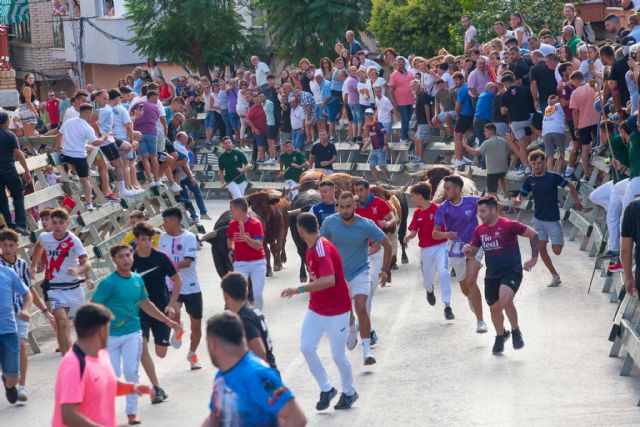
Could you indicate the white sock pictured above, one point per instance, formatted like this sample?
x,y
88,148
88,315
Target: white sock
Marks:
x,y
121,187
366,346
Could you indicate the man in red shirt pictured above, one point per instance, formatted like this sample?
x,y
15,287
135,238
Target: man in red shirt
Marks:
x,y
257,120
328,312
53,108
245,238
434,253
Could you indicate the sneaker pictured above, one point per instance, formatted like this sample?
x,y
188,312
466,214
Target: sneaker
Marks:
x,y
615,267
555,281
271,161
481,327
176,339
352,338
22,394
346,402
458,163
527,170
498,346
610,254
448,313
325,399
369,360
89,207
93,173
517,341
21,230
11,393
431,298
133,420
193,360
374,338
206,216
175,188
585,178
521,170
111,197
161,396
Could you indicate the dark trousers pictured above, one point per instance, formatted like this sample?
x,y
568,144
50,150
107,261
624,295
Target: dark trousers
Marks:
x,y
11,181
197,194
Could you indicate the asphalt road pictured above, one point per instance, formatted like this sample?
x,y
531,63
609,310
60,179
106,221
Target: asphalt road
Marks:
x,y
429,372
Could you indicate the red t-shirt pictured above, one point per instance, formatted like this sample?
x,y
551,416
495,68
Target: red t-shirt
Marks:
x,y
376,210
423,223
242,250
94,392
258,118
324,260
52,107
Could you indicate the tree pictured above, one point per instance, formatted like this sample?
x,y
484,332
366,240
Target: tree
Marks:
x,y
415,26
198,33
310,28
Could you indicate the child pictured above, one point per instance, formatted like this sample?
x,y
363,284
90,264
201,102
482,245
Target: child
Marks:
x,y
553,125
379,148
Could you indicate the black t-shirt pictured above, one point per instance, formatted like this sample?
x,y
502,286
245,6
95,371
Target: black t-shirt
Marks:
x,y
618,71
545,194
631,228
8,143
322,154
154,269
520,69
305,83
498,117
285,124
546,81
518,101
254,327
423,99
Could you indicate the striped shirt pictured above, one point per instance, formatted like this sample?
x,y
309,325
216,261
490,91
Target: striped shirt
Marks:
x,y
22,270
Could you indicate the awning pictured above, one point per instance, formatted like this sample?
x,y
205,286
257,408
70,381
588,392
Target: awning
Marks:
x,y
14,11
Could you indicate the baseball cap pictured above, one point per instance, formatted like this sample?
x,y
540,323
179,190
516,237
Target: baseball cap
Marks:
x,y
368,112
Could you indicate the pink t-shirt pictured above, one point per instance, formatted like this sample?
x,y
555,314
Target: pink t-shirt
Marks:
x,y
94,392
401,83
583,99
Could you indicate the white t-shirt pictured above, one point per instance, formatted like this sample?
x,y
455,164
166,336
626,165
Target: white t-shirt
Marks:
x,y
380,82
316,91
471,36
546,49
525,37
12,120
297,117
262,70
363,99
216,101
61,256
384,108
179,248
121,118
371,63
553,120
71,113
447,78
242,106
76,135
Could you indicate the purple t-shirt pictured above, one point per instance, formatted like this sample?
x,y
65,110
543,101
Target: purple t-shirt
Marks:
x,y
352,89
232,98
146,124
461,218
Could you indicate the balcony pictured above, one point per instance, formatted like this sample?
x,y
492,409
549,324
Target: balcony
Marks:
x,y
595,11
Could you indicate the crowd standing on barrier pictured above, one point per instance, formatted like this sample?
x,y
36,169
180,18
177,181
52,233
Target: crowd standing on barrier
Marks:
x,y
507,102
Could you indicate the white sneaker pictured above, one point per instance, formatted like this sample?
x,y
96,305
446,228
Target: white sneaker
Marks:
x,y
555,281
176,339
458,163
159,183
271,161
175,188
89,207
352,339
206,217
22,394
481,327
93,173
193,361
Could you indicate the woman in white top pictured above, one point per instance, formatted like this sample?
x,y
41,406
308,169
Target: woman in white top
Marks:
x,y
373,82
553,127
427,77
242,107
520,29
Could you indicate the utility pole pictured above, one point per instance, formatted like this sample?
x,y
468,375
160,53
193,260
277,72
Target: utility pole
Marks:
x,y
77,26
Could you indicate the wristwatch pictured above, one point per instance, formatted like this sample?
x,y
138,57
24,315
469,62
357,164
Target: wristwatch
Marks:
x,y
301,289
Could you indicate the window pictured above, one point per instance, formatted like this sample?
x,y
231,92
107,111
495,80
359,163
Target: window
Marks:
x,y
21,32
58,33
105,8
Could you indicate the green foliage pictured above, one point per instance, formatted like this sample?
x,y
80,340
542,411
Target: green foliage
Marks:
x,y
310,28
198,33
415,26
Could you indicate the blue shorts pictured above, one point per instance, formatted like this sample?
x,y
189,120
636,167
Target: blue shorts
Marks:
x,y
10,354
261,140
148,144
210,120
332,109
356,114
378,158
23,329
234,118
318,110
549,230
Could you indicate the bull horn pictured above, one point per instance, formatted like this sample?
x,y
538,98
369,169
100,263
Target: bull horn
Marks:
x,y
399,191
210,235
294,212
274,195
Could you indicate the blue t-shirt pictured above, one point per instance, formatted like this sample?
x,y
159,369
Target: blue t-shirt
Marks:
x,y
484,106
465,101
322,211
545,194
325,90
10,284
249,394
352,241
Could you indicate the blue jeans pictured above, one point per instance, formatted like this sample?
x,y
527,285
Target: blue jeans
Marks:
x,y
227,123
197,194
298,139
210,120
10,354
405,115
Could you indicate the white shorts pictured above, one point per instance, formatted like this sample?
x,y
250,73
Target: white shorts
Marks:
x,y
23,329
360,285
237,190
459,264
72,299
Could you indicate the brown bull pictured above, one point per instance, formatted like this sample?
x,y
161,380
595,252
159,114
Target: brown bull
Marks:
x,y
272,206
310,179
436,175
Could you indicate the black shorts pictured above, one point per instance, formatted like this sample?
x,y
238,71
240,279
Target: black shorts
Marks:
x,y
587,134
272,132
111,152
464,123
54,126
162,156
536,120
492,285
80,163
45,287
492,181
193,304
161,331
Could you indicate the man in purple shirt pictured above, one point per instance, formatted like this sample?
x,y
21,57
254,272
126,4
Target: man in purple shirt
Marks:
x,y
353,98
232,99
146,115
458,214
478,79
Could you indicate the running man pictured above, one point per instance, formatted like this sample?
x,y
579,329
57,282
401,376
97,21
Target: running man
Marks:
x,y
181,246
245,238
235,290
155,268
328,312
292,163
233,165
66,261
86,384
498,237
434,256
351,234
246,391
124,294
328,202
546,215
458,214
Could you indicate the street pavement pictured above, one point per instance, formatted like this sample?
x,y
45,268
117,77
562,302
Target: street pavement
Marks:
x,y
429,372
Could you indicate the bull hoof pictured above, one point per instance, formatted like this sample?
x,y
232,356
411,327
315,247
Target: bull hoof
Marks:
x,y
269,273
277,267
405,260
394,267
284,258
